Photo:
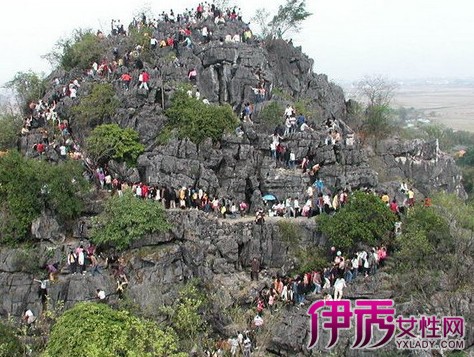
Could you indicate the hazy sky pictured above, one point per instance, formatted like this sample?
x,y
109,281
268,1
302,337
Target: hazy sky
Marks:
x,y
347,38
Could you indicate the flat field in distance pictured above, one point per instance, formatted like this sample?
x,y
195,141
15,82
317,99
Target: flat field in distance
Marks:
x,y
451,105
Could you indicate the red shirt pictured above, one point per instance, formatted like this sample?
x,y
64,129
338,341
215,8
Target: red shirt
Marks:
x,y
40,148
394,207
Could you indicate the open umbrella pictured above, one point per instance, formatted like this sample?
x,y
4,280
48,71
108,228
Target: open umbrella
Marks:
x,y
269,197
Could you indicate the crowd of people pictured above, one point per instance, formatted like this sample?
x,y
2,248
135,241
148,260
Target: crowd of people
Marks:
x,y
128,68
328,283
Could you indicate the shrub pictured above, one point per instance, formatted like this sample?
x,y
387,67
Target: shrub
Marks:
x,y
11,125
99,105
197,121
10,345
186,314
81,50
272,114
93,330
27,186
110,141
364,219
290,232
126,219
28,86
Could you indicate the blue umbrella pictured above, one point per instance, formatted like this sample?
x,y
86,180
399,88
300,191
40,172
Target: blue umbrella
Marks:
x,y
269,197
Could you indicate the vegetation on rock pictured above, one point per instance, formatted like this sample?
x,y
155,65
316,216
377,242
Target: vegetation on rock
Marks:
x,y
197,121
289,18
110,141
10,345
271,113
99,105
28,87
94,329
126,219
11,125
435,250
364,219
29,186
185,315
377,93
80,51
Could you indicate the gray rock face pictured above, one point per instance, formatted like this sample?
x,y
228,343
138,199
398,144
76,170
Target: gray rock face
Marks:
x,y
238,168
47,228
198,246
422,164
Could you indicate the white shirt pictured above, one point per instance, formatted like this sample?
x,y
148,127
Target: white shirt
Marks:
x,y
30,317
339,283
258,321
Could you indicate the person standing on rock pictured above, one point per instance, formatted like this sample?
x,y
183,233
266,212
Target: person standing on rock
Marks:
x,y
143,79
43,290
339,286
72,262
255,269
247,346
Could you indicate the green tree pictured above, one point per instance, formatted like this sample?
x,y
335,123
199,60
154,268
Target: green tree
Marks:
x,y
10,344
271,114
468,158
364,219
186,315
96,330
27,186
28,87
11,126
377,92
126,219
110,141
62,187
289,18
100,104
433,247
378,123
80,51
197,121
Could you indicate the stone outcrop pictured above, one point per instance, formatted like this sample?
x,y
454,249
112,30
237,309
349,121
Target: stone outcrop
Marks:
x,y
198,246
420,163
239,168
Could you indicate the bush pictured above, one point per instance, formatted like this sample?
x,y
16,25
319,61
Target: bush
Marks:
x,y
272,114
435,249
93,330
27,186
378,123
10,345
197,121
290,232
99,105
110,141
11,126
186,314
80,51
29,87
364,219
126,219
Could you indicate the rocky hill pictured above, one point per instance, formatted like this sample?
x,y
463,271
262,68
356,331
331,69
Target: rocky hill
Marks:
x,y
238,167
